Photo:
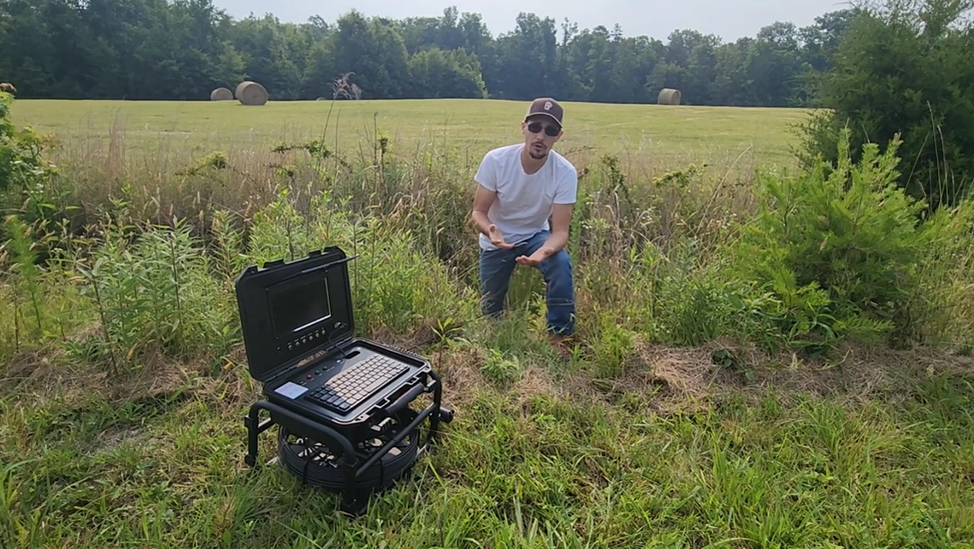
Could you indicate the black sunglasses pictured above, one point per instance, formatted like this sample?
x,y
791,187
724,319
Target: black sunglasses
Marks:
x,y
550,131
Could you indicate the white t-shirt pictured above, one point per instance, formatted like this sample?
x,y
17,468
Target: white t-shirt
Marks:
x,y
524,202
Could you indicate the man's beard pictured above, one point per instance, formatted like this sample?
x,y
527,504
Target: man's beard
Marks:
x,y
537,156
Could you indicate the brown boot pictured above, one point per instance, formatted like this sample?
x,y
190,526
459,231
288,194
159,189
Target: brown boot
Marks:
x,y
561,344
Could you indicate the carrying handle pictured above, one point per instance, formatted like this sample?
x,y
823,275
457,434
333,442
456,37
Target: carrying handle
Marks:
x,y
405,399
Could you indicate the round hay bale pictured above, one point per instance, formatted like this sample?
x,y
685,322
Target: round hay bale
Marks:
x,y
239,88
251,93
669,96
221,94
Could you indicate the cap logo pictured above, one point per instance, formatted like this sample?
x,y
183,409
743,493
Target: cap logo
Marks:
x,y
547,105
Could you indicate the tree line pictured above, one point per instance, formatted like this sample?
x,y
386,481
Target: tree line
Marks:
x,y
183,49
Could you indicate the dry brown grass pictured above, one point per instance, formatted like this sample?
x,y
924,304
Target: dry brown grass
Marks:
x,y
680,380
672,380
49,374
460,370
536,380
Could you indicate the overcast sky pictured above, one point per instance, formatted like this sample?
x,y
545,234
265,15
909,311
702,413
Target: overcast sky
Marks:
x,y
728,19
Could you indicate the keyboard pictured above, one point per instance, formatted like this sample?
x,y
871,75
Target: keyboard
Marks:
x,y
352,386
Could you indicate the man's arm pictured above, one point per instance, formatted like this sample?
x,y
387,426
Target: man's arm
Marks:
x,y
481,205
561,212
561,219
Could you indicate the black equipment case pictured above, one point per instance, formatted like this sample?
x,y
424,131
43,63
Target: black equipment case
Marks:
x,y
346,399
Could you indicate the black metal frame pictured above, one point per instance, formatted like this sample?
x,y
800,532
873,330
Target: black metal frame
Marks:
x,y
354,499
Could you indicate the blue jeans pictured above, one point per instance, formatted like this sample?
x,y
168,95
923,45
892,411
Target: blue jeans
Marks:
x,y
497,266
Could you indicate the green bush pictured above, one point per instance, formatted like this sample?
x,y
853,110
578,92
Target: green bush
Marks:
x,y
20,148
832,254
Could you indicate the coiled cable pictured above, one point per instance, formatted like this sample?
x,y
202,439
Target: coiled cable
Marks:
x,y
315,465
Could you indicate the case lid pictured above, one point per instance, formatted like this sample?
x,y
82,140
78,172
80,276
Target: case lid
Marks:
x,y
289,311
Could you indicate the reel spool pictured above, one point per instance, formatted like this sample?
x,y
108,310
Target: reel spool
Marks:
x,y
314,464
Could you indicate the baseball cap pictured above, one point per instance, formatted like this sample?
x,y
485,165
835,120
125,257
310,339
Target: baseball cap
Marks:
x,y
546,106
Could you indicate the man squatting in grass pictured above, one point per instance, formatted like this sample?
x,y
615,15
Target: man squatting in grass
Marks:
x,y
519,188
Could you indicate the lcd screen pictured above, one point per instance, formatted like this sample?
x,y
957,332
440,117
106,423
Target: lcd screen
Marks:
x,y
296,306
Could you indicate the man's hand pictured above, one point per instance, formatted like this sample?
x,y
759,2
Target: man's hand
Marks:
x,y
536,258
496,238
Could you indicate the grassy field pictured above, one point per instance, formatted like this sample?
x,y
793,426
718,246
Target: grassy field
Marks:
x,y
652,133
692,413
